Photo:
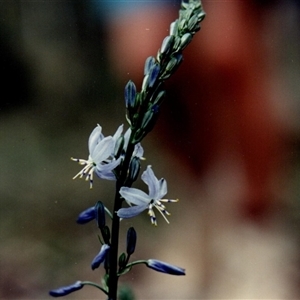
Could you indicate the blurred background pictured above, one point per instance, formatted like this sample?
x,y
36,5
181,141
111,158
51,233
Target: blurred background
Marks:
x,y
227,142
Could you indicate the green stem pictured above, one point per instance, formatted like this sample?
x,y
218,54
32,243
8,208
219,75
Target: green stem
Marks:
x,y
137,262
95,285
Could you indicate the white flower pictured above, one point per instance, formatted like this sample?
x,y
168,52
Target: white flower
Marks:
x,y
100,160
142,201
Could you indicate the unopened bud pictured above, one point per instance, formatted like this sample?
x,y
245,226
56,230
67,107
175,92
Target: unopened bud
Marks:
x,y
131,240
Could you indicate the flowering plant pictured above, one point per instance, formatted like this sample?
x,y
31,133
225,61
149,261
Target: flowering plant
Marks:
x,y
118,158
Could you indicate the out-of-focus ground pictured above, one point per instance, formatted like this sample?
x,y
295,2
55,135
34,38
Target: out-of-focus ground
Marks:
x,y
58,82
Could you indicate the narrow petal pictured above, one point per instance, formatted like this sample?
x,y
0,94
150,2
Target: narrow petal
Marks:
x,y
109,175
103,149
109,166
95,137
100,257
149,178
127,137
138,150
162,188
118,132
163,267
134,196
130,212
65,290
105,171
86,216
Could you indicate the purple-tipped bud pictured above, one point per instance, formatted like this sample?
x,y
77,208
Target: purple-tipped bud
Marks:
x,y
100,214
86,216
163,267
65,290
153,74
130,93
100,257
131,240
150,61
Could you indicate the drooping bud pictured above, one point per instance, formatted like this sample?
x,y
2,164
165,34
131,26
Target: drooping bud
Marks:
x,y
163,267
66,290
100,257
86,216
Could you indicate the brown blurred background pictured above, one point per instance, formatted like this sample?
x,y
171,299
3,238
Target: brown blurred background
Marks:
x,y
227,142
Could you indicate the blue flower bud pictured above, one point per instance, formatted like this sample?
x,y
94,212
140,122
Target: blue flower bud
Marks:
x,y
131,240
130,93
100,257
163,267
63,291
153,74
100,214
86,216
150,61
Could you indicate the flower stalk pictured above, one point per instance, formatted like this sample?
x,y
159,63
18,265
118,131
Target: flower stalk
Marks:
x,y
118,158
